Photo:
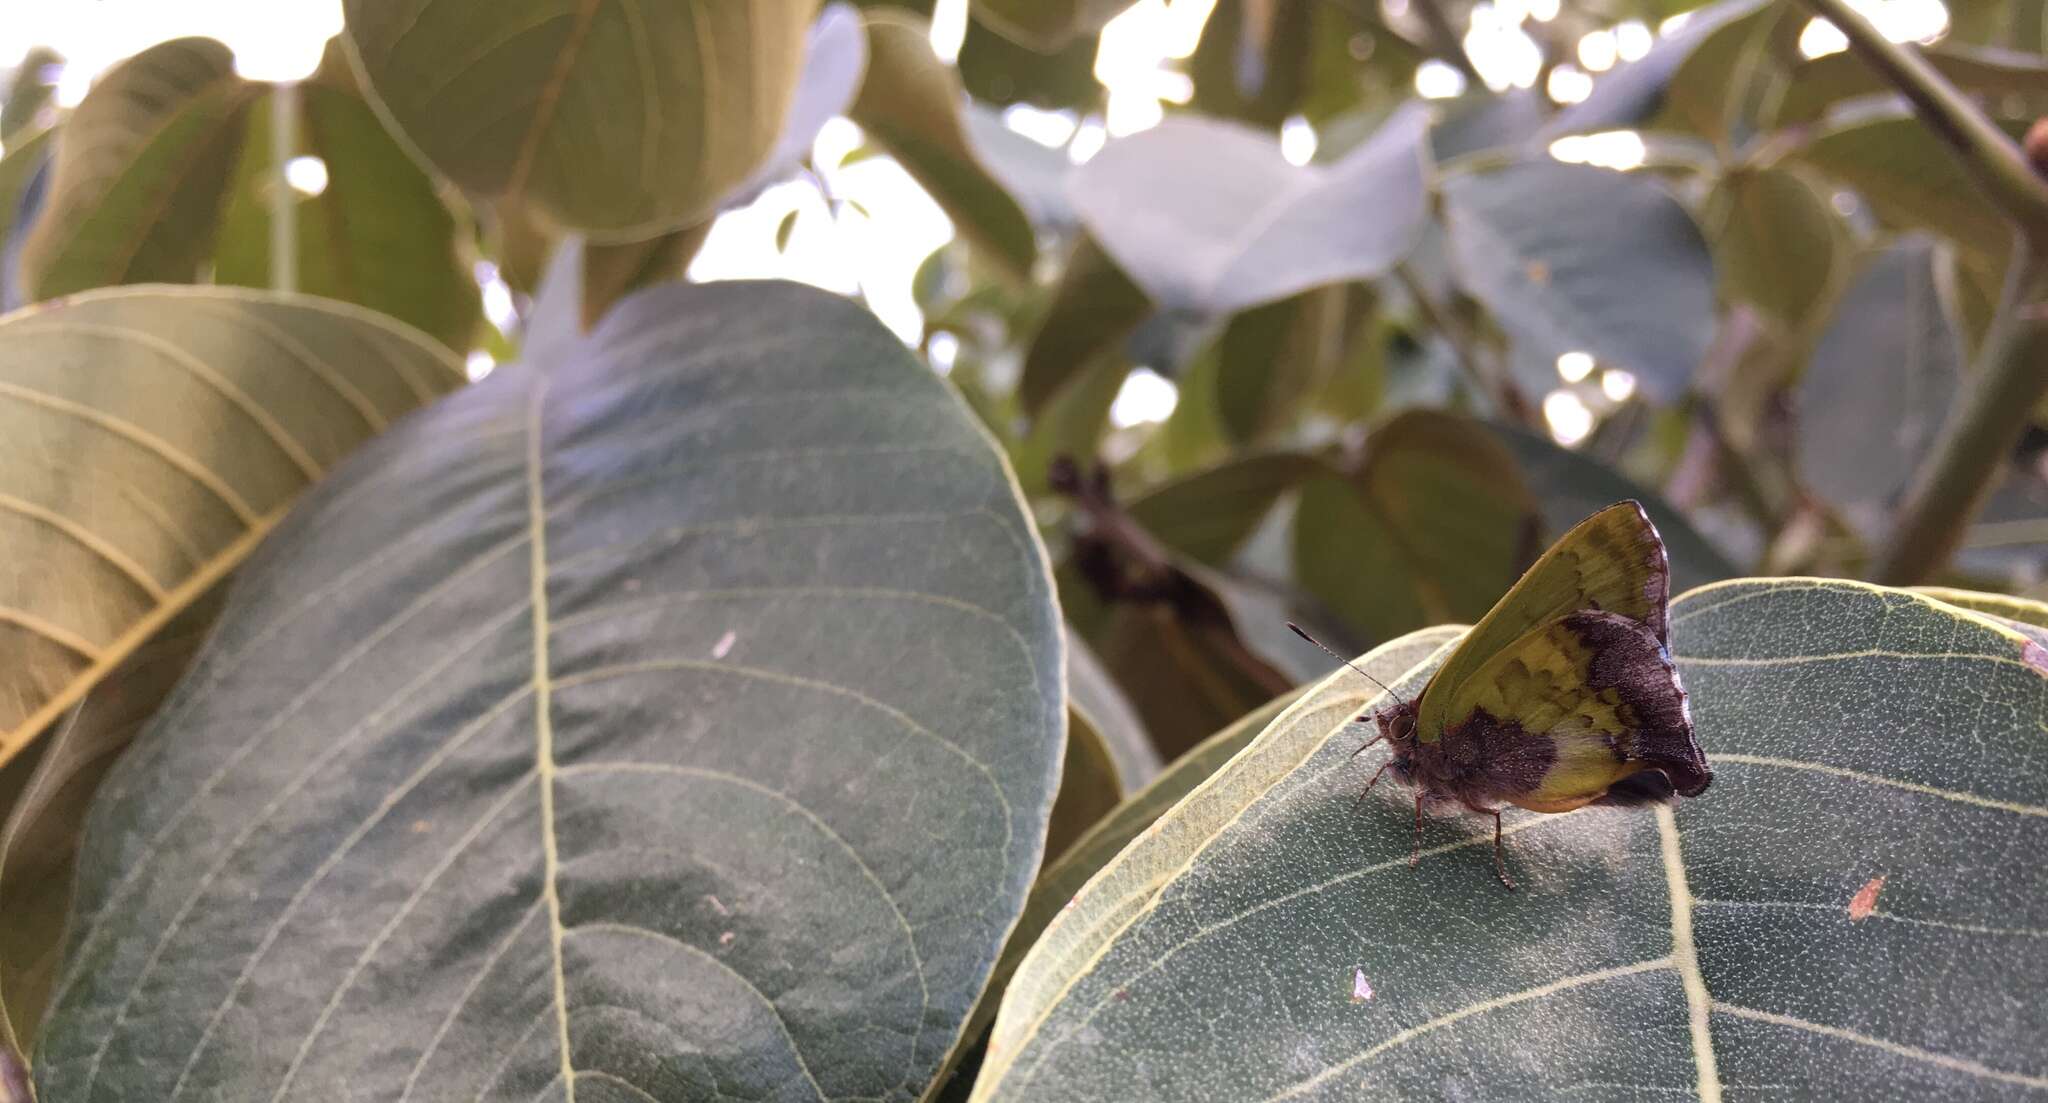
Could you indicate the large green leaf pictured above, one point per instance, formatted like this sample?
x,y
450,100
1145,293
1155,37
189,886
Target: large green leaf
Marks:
x,y
156,135
1268,940
675,718
149,438
1572,258
378,234
618,120
1209,218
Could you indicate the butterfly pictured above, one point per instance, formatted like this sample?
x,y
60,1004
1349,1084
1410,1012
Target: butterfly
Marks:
x,y
1563,695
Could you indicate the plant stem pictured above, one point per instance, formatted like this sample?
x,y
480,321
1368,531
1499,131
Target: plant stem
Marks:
x,y
2008,384
284,216
1991,158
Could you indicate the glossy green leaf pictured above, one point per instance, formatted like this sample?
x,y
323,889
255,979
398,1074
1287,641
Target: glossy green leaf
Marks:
x,y
623,695
1572,258
1267,939
1209,218
151,437
1877,387
1571,486
617,120
1777,243
378,234
1435,527
912,103
157,134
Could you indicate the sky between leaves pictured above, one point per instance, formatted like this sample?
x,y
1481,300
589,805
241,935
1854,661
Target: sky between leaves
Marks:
x,y
877,253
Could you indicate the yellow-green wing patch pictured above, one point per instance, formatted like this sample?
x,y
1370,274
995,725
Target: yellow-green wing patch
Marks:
x,y
1556,718
1612,561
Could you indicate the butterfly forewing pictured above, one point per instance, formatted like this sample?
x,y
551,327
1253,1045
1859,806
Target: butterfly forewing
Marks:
x,y
1612,562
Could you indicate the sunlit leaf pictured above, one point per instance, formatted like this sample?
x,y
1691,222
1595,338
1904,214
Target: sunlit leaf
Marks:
x,y
1572,258
1209,218
626,696
617,120
1738,941
1046,25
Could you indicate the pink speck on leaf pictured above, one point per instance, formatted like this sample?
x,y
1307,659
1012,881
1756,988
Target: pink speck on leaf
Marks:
x,y
1865,900
724,645
1361,988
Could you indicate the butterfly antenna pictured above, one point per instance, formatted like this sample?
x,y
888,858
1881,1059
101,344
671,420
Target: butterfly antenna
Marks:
x,y
1297,630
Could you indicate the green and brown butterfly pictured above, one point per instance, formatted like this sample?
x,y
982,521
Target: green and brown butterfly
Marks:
x,y
1563,695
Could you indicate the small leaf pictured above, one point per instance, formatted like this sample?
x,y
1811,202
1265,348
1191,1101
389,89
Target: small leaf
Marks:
x,y
1777,242
1678,953
1877,387
617,120
1572,258
157,134
1707,93
1435,528
912,103
1209,218
1207,515
783,229
511,768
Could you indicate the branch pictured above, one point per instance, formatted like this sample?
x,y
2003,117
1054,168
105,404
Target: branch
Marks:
x,y
1990,157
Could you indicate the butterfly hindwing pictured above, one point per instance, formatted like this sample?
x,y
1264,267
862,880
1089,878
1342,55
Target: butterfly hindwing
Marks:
x,y
1612,562
1562,714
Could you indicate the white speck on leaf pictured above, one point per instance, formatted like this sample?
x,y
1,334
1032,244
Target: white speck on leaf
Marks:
x,y
1361,989
724,645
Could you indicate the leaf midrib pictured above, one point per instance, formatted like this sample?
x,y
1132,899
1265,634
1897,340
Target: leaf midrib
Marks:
x,y
543,720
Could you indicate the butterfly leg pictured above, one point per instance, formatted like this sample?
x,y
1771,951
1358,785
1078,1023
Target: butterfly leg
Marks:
x,y
1500,862
1384,767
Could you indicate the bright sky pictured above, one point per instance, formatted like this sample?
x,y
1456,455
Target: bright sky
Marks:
x,y
876,255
